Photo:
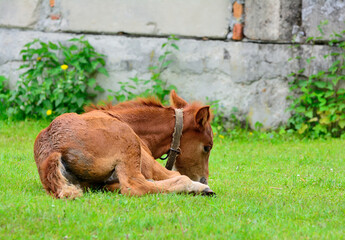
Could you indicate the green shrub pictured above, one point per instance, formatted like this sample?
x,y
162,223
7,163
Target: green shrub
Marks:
x,y
4,95
318,100
56,79
155,86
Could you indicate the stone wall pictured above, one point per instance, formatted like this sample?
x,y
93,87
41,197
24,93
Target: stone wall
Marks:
x,y
232,51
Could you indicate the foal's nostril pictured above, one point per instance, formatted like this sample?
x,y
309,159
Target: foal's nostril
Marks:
x,y
203,180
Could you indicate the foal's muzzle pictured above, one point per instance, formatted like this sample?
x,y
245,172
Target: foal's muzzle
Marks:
x,y
203,180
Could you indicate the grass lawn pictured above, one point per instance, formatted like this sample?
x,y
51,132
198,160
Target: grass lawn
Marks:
x,y
266,189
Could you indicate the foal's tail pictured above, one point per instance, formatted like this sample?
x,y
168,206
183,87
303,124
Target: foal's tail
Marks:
x,y
51,171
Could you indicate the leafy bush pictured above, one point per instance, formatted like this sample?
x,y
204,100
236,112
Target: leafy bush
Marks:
x,y
4,95
223,125
318,102
57,78
155,86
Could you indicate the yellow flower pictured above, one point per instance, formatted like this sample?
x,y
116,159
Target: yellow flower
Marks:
x,y
64,67
49,112
250,133
221,136
39,58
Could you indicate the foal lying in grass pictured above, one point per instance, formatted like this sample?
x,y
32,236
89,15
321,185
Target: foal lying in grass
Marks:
x,y
115,147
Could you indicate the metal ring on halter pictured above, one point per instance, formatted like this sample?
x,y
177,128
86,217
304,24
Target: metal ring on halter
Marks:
x,y
175,150
168,153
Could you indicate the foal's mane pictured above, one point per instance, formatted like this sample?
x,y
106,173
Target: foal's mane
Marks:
x,y
140,103
137,103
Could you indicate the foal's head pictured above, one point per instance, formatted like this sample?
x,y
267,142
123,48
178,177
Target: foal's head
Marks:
x,y
196,141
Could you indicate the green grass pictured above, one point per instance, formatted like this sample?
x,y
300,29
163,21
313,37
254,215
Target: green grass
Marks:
x,y
266,189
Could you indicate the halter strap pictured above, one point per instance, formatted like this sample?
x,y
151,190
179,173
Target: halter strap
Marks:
x,y
174,150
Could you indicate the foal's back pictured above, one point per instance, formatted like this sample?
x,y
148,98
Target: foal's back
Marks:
x,y
90,145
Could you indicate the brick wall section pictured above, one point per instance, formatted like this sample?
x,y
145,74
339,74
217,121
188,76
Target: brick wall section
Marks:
x,y
229,52
267,20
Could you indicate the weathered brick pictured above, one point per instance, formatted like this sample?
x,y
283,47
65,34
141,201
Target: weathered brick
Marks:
x,y
55,16
237,10
237,32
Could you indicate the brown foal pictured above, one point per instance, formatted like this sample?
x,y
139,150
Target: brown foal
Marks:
x,y
115,147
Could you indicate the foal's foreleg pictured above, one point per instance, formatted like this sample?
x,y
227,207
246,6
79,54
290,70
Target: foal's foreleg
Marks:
x,y
173,181
182,184
133,182
161,173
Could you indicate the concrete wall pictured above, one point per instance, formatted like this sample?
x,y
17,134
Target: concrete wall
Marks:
x,y
249,73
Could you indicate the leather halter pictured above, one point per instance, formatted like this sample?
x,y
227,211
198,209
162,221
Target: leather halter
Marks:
x,y
174,150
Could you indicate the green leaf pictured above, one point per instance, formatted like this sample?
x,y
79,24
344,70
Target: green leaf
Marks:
x,y
91,82
99,89
44,45
80,102
166,63
153,67
341,123
101,61
320,84
75,40
94,65
73,48
315,119
59,99
120,98
53,46
309,113
325,120
300,109
103,71
161,58
110,98
329,93
303,128
309,39
301,70
175,46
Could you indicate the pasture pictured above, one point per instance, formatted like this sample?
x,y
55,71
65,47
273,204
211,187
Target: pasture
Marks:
x,y
266,189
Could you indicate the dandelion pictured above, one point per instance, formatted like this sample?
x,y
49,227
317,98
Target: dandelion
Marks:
x,y
250,133
64,67
39,59
221,136
49,112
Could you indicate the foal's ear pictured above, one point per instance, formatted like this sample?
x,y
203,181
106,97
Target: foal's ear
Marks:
x,y
202,116
176,101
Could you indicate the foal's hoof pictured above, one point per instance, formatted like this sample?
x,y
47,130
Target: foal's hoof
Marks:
x,y
208,192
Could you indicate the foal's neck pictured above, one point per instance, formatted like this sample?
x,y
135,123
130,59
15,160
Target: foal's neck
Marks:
x,y
154,125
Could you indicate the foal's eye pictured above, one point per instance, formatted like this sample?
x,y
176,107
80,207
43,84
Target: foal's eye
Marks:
x,y
207,148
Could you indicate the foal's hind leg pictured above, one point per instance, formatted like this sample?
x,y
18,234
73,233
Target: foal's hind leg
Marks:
x,y
112,187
